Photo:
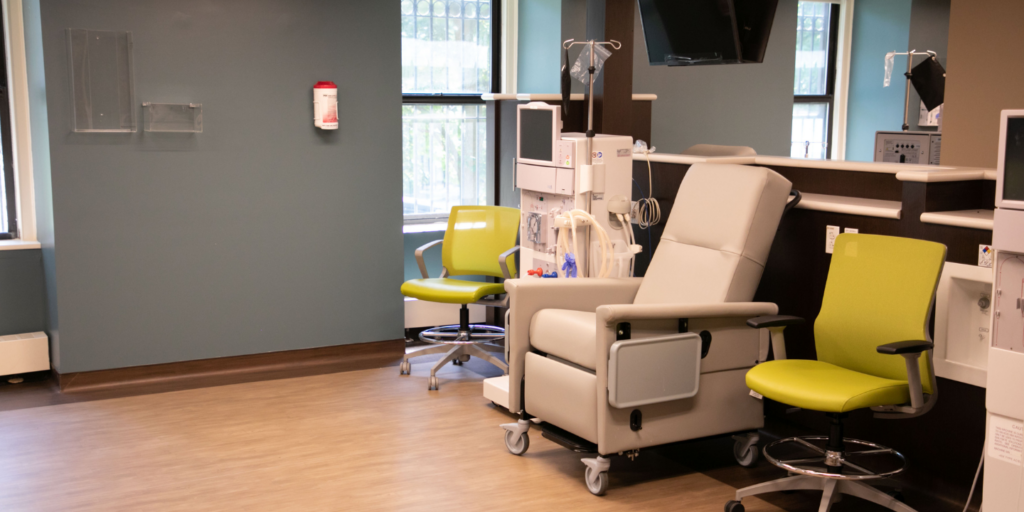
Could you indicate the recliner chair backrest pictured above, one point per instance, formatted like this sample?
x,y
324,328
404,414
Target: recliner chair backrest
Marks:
x,y
717,238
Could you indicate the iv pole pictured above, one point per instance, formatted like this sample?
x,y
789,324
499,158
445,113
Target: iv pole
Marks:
x,y
590,107
569,43
910,66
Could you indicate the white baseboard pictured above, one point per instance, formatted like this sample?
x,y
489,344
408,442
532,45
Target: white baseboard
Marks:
x,y
421,313
24,353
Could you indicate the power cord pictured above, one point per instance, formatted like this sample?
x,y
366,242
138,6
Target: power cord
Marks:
x,y
976,473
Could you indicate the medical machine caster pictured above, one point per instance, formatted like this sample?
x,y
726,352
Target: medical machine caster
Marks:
x,y
517,445
405,368
433,384
745,449
596,476
734,506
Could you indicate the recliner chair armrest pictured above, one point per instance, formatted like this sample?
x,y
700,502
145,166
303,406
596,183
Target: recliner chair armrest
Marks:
x,y
419,257
503,261
612,314
763,322
905,347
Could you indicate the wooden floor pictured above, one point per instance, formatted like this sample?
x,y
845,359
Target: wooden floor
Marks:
x,y
361,440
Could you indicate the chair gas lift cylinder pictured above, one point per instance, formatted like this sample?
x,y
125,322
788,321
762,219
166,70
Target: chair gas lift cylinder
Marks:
x,y
1004,477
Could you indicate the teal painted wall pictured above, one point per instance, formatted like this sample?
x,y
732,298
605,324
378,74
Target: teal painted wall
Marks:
x,y
540,32
879,26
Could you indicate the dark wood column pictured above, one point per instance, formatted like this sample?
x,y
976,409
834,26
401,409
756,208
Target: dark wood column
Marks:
x,y
613,88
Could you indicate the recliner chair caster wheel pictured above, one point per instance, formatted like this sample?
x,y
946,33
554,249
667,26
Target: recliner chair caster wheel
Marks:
x,y
433,384
405,368
599,485
734,506
745,450
517,446
745,457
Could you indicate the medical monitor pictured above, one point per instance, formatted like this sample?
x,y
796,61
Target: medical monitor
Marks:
x,y
1010,169
539,127
702,32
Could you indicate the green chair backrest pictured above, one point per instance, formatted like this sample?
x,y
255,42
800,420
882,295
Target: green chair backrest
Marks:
x,y
476,236
879,290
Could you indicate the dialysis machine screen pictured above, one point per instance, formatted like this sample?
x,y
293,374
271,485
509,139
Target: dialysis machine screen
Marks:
x,y
1013,162
535,137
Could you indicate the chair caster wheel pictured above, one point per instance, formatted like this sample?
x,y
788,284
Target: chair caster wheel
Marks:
x,y
405,368
734,506
599,485
746,456
456,362
433,384
517,446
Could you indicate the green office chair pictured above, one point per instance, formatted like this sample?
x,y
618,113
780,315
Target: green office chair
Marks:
x,y
870,336
481,241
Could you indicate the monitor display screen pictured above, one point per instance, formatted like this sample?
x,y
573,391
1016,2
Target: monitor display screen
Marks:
x,y
1013,160
701,32
535,134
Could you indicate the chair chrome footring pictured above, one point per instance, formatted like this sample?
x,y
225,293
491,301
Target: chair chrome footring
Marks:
x,y
454,335
846,465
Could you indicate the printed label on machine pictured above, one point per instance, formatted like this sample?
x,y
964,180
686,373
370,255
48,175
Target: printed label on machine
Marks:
x,y
1005,439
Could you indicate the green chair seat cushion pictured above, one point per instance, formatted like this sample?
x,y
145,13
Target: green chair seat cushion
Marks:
x,y
825,387
450,291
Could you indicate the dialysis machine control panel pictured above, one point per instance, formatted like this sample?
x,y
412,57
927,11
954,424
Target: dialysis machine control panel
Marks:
x,y
908,147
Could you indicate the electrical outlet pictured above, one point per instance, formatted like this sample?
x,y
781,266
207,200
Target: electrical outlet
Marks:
x,y
851,230
985,256
831,232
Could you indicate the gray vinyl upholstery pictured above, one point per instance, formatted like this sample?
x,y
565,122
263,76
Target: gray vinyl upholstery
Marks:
x,y
713,250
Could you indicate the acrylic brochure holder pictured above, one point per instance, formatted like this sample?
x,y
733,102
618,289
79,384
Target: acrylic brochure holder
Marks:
x,y
173,117
102,87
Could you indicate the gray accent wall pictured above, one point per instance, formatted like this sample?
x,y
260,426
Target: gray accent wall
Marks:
x,y
736,105
22,299
260,234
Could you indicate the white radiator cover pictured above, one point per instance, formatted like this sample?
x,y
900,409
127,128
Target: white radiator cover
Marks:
x,y
24,353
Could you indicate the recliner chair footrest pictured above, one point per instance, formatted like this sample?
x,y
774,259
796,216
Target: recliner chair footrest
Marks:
x,y
567,439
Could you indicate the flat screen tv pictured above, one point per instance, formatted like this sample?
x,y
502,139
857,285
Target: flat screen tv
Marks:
x,y
702,32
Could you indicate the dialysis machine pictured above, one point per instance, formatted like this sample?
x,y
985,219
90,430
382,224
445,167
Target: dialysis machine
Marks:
x,y
1004,475
552,173
554,179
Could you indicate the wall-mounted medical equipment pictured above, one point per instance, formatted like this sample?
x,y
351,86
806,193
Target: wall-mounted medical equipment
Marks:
x,y
325,105
102,87
699,32
173,117
928,78
963,322
1004,475
923,148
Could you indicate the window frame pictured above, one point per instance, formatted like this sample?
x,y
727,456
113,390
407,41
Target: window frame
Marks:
x,y
831,67
6,143
461,99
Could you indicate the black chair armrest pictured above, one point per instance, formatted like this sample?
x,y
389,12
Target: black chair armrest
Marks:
x,y
774,321
905,347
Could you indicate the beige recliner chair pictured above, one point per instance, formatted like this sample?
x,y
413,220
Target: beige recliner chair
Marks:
x,y
614,365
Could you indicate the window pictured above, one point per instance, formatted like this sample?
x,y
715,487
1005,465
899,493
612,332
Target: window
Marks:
x,y
8,208
814,82
448,55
